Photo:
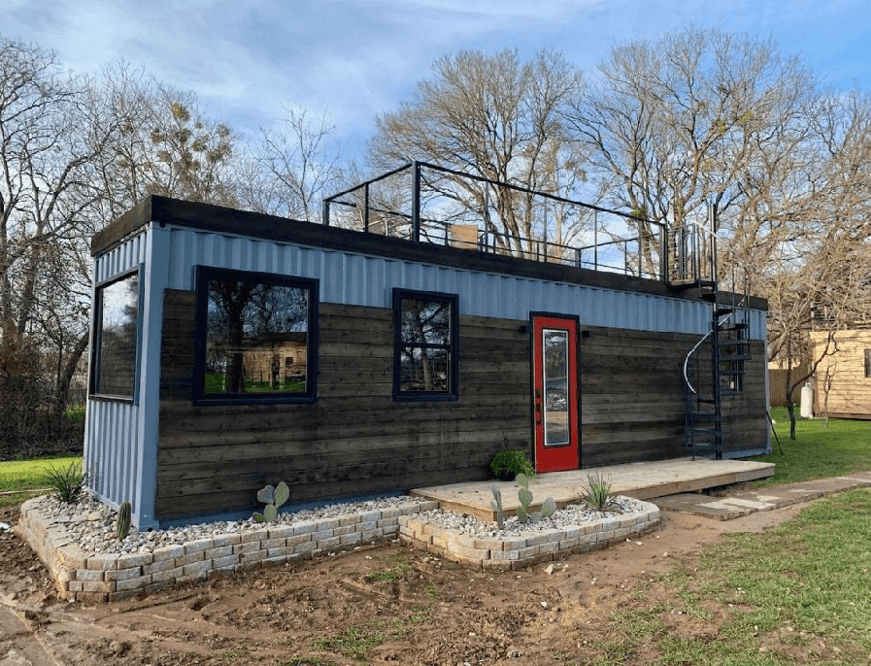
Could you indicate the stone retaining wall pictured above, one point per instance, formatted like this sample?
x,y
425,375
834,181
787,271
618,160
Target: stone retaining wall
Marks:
x,y
88,577
519,551
101,577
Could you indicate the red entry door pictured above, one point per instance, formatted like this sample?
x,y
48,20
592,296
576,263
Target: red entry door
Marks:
x,y
555,393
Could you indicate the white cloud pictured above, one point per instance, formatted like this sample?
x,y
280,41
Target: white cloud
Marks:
x,y
354,58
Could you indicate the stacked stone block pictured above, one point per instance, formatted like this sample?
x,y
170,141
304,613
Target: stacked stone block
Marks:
x,y
518,551
94,577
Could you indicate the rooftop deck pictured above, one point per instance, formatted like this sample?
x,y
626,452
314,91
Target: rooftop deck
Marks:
x,y
428,203
644,480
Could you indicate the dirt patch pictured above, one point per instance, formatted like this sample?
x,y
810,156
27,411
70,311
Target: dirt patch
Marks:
x,y
387,604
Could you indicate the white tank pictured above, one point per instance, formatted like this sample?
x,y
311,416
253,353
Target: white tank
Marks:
x,y
807,401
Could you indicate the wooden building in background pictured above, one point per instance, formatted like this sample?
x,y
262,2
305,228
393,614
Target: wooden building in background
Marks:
x,y
842,380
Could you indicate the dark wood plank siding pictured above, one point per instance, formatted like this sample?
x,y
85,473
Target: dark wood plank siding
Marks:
x,y
632,401
631,396
354,439
745,424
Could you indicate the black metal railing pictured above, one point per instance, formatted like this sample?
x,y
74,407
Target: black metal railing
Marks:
x,y
427,203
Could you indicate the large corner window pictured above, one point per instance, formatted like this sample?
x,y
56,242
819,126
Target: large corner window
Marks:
x,y
116,338
256,338
425,345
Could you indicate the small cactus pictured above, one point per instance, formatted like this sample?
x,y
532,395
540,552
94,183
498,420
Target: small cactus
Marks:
x,y
524,515
122,525
525,497
548,508
273,497
496,505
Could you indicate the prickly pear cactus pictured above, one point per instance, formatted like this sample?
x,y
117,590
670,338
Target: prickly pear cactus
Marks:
x,y
281,495
266,495
524,515
273,497
548,507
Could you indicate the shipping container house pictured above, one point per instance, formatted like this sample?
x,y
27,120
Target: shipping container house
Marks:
x,y
231,350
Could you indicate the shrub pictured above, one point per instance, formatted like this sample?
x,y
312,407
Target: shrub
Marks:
x,y
75,412
513,461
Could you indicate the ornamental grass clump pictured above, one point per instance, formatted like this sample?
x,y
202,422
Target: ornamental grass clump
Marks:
x,y
597,493
65,482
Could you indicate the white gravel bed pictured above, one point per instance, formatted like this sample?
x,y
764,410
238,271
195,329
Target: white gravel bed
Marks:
x,y
571,514
91,524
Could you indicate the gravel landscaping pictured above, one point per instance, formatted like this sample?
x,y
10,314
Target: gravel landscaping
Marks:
x,y
90,524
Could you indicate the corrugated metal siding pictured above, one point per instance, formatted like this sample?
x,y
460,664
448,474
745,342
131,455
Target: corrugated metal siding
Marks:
x,y
112,450
357,279
123,258
111,441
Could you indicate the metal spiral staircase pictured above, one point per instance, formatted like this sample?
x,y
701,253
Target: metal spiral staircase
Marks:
x,y
714,368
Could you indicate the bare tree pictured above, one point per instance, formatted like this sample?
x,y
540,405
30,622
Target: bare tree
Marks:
x,y
292,168
49,143
75,153
165,144
498,118
190,155
700,117
816,274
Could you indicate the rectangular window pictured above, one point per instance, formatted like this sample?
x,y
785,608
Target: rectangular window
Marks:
x,y
868,363
733,353
256,338
425,358
116,338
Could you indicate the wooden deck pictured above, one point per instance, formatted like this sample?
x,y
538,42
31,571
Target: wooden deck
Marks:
x,y
644,480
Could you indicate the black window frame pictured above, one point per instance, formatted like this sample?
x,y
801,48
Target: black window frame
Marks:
x,y
453,347
94,383
204,274
867,363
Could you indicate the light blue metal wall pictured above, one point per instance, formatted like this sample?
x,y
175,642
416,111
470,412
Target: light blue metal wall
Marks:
x,y
112,448
357,279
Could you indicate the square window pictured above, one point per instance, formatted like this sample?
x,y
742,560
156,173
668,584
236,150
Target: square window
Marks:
x,y
256,338
425,358
116,338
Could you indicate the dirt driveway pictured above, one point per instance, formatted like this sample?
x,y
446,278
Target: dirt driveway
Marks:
x,y
384,604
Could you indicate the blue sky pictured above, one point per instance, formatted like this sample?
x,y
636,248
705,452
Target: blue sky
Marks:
x,y
247,59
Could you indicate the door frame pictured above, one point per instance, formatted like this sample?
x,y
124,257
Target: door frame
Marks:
x,y
573,461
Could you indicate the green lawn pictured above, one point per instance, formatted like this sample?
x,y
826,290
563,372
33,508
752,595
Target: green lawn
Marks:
x,y
794,594
214,383
820,449
22,479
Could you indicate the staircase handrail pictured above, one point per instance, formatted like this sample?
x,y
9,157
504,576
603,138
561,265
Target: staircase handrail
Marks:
x,y
698,344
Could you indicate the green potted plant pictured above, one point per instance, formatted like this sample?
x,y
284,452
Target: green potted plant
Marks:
x,y
509,463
